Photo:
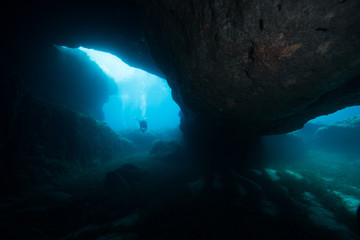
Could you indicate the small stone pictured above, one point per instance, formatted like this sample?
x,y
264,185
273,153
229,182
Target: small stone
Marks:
x,y
272,174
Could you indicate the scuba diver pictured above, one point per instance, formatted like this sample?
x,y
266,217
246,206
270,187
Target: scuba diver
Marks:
x,y
143,125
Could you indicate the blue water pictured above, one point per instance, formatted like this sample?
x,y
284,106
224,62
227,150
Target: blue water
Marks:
x,y
337,116
141,95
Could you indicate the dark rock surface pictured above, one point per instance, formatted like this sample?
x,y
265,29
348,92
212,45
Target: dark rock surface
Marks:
x,y
164,204
144,142
259,67
113,26
32,30
358,218
41,142
124,176
167,151
72,79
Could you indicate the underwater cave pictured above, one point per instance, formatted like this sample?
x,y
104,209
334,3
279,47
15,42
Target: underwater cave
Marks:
x,y
140,95
180,120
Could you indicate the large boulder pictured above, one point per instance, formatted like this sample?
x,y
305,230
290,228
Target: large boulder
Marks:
x,y
124,176
170,151
258,67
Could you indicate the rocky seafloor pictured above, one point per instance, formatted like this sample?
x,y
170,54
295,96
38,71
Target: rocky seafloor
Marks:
x,y
144,197
65,175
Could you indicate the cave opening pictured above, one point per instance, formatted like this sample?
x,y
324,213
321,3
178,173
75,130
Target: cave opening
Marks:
x,y
333,131
140,95
337,116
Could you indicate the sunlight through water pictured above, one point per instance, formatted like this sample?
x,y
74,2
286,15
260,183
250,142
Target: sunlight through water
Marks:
x,y
141,95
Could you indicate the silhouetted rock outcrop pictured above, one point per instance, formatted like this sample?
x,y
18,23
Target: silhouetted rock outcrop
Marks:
x,y
167,151
258,67
28,50
124,176
41,142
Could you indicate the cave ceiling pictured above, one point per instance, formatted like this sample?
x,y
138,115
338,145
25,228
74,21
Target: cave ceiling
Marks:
x,y
259,67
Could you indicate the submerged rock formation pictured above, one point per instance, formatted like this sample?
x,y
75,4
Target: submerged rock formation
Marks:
x,y
258,67
41,142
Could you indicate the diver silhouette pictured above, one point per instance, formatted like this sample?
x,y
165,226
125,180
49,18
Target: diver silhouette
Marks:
x,y
143,125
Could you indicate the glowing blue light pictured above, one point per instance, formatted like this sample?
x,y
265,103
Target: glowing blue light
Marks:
x,y
112,65
141,95
337,116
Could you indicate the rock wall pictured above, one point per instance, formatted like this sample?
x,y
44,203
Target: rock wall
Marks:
x,y
250,67
257,67
69,77
32,30
40,142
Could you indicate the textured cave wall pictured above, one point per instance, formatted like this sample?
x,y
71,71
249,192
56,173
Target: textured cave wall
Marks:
x,y
113,26
72,79
42,143
67,76
259,67
30,31
256,67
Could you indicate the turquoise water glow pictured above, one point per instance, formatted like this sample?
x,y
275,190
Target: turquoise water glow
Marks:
x,y
141,95
337,116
